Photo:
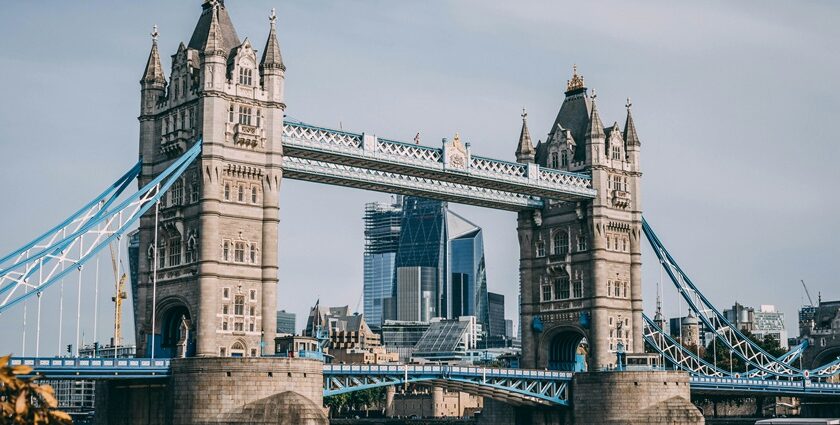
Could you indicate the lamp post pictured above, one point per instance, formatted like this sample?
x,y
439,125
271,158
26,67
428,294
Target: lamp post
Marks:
x,y
619,354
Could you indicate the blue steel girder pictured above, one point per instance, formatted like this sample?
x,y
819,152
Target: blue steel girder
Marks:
x,y
517,386
93,368
739,344
365,178
370,152
729,385
51,257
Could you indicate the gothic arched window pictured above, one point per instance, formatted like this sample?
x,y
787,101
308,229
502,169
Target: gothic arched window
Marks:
x,y
253,254
554,160
564,159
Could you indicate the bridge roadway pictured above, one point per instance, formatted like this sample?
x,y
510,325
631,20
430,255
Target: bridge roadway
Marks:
x,y
513,386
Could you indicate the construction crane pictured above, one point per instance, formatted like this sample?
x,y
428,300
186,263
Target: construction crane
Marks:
x,y
119,296
810,301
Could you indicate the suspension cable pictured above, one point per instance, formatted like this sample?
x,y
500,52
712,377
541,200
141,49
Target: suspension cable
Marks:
x,y
61,301
96,305
155,260
79,297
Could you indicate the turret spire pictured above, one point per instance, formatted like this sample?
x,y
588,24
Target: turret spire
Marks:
x,y
596,127
630,136
525,150
271,58
154,71
215,42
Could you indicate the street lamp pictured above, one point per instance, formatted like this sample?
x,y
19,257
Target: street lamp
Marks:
x,y
619,353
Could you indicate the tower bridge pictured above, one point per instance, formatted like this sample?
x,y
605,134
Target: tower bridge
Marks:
x,y
214,148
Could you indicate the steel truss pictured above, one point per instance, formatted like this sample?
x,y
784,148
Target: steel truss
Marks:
x,y
517,386
739,344
68,246
365,178
371,153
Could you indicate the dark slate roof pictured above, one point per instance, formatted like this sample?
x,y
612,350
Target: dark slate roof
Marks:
x,y
154,71
228,37
525,147
574,116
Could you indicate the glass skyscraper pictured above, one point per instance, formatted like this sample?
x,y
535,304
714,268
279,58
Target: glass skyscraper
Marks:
x,y
435,268
382,233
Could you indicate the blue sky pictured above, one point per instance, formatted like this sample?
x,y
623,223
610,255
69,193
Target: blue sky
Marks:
x,y
734,103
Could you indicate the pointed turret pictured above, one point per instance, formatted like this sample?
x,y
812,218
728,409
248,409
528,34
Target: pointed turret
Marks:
x,y
214,42
630,136
271,58
595,130
153,82
154,71
525,149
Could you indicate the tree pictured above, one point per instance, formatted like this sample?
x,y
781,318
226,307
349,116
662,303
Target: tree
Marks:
x,y
23,401
718,353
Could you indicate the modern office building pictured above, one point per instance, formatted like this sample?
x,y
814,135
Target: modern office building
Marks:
x,y
382,236
769,322
448,340
496,329
740,316
401,337
286,323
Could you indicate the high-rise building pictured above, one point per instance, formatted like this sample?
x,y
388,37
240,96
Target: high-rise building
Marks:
x,y
286,322
422,261
496,330
382,236
740,316
401,337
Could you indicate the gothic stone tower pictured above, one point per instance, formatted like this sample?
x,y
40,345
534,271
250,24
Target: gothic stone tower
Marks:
x,y
216,261
580,263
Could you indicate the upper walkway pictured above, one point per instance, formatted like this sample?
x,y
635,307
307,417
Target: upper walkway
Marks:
x,y
450,172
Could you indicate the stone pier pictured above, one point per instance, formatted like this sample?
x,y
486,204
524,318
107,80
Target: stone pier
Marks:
x,y
205,391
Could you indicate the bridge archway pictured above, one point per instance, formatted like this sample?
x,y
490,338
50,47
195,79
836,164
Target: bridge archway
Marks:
x,y
825,356
566,348
175,333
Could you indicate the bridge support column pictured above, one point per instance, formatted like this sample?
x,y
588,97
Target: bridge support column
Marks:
x,y
389,401
437,402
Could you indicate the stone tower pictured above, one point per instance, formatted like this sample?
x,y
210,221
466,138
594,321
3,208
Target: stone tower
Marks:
x,y
580,263
216,262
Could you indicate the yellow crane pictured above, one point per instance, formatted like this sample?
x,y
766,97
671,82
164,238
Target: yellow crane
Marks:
x,y
119,296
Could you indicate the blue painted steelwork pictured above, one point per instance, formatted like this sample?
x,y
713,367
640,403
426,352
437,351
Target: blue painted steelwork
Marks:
x,y
519,386
739,344
401,161
124,214
765,386
94,368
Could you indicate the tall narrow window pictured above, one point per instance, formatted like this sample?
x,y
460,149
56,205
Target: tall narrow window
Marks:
x,y
227,191
175,251
561,286
253,195
239,305
239,252
192,255
226,253
616,153
540,249
259,117
245,115
162,255
564,159
246,76
241,193
577,285
194,193
177,193
226,293
554,160
253,254
546,292
581,242
609,288
252,310
230,113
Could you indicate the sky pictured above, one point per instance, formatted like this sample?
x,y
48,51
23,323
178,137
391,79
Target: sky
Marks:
x,y
734,102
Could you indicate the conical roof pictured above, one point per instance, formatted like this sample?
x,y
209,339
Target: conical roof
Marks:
x,y
596,127
214,30
630,136
154,70
271,54
525,148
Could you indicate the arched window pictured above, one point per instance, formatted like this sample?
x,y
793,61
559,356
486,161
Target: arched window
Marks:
x,y
239,252
561,243
253,254
554,160
253,195
564,159
227,191
192,254
226,250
